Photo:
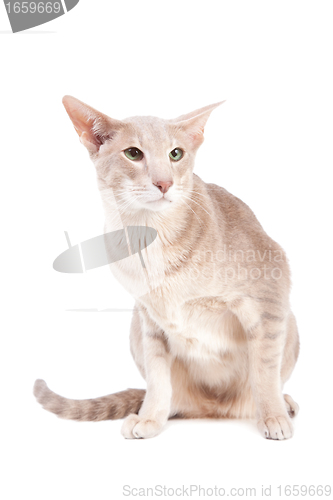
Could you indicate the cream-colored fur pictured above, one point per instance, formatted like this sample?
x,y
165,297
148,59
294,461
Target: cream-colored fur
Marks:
x,y
212,331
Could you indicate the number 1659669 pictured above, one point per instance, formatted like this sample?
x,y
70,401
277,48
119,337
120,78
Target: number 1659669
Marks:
x,y
33,7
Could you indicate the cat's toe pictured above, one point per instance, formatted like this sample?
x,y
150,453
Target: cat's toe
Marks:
x,y
292,406
147,428
277,427
136,427
128,426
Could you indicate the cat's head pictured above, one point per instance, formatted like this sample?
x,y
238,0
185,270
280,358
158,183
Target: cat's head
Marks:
x,y
146,161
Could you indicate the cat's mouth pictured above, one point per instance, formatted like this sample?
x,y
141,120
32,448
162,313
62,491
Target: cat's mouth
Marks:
x,y
161,199
158,203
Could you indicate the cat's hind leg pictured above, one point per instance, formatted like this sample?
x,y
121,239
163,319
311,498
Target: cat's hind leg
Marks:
x,y
292,406
266,328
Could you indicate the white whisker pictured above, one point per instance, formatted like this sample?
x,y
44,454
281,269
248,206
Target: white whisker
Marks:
x,y
192,210
200,194
189,198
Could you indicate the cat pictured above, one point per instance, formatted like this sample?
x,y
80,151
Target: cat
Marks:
x,y
212,333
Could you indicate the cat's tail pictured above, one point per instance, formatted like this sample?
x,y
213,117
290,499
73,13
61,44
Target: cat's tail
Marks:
x,y
110,407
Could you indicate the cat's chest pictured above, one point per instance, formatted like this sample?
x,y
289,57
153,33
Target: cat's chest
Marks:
x,y
196,325
143,272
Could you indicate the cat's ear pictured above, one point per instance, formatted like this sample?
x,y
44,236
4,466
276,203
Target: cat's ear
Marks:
x,y
194,123
93,127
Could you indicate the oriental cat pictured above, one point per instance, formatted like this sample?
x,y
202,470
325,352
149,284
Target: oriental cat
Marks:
x,y
212,332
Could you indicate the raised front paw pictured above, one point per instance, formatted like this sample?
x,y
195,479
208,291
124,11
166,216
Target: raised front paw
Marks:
x,y
276,427
136,427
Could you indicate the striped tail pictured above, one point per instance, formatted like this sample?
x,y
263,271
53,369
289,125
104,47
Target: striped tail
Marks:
x,y
110,407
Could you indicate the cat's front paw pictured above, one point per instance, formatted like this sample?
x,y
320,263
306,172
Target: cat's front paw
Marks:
x,y
276,427
136,427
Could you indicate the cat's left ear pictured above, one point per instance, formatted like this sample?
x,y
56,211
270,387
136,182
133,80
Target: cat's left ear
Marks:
x,y
194,123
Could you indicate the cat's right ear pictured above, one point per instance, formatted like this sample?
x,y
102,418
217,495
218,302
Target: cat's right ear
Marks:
x,y
94,128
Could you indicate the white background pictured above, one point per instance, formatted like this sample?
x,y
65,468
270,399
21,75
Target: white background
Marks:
x,y
270,144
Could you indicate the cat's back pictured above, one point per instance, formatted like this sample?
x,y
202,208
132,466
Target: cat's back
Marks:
x,y
233,210
240,225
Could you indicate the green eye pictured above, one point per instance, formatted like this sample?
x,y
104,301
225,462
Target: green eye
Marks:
x,y
133,154
176,154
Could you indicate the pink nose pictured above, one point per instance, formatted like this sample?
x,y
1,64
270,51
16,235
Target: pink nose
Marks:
x,y
163,186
